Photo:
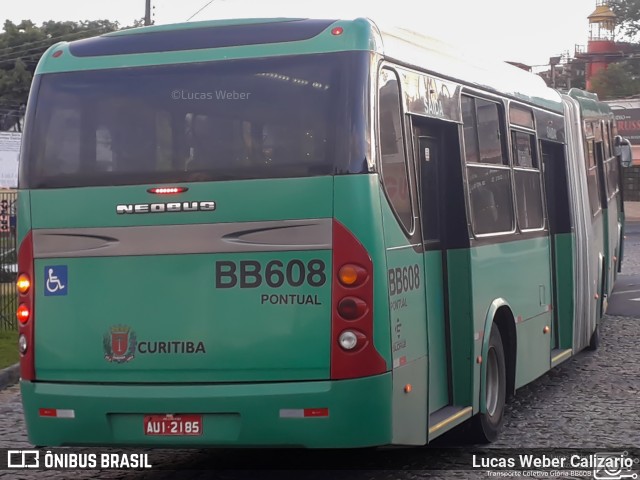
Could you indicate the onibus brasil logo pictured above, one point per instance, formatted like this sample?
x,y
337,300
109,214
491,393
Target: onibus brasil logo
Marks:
x,y
119,344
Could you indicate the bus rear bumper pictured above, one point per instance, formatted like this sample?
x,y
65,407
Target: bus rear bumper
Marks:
x,y
358,413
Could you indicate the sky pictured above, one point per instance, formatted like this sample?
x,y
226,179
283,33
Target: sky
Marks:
x,y
529,32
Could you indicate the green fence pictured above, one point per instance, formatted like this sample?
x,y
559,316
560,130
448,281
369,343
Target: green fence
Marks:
x,y
8,261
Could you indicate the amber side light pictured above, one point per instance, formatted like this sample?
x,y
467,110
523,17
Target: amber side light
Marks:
x,y
351,275
23,283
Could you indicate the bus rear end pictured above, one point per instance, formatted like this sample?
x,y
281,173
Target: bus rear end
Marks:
x,y
197,245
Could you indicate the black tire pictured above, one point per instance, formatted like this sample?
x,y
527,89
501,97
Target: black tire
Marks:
x,y
594,342
488,425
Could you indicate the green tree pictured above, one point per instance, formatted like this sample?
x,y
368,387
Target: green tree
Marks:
x,y
21,46
628,13
619,80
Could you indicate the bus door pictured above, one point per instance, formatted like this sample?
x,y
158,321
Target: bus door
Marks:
x,y
559,216
427,141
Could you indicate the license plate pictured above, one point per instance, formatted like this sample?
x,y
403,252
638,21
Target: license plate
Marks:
x,y
171,425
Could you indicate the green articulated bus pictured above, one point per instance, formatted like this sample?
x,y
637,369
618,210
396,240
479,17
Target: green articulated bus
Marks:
x,y
299,232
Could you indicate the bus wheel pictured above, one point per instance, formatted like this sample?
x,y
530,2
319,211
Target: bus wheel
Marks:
x,y
594,342
489,424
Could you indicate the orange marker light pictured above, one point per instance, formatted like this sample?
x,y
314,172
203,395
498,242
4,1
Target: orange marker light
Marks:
x,y
408,388
348,275
23,283
351,275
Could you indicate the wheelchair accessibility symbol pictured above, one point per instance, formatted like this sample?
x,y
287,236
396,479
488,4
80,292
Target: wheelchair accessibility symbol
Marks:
x,y
55,280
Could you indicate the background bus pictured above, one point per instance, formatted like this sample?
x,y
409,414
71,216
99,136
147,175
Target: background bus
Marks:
x,y
300,232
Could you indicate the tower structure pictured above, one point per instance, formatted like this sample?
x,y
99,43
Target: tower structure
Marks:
x,y
601,48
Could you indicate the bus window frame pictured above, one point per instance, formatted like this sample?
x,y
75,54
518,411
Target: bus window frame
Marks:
x,y
606,137
591,164
409,233
610,159
535,153
502,117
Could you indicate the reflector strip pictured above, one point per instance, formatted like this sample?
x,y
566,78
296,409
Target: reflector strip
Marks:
x,y
303,412
398,362
316,412
57,413
291,413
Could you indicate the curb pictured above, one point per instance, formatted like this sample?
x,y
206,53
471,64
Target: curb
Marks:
x,y
9,376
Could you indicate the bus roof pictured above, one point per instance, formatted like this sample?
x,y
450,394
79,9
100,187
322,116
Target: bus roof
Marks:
x,y
263,37
468,67
589,103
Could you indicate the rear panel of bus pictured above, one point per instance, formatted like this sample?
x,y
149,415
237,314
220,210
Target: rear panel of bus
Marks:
x,y
201,246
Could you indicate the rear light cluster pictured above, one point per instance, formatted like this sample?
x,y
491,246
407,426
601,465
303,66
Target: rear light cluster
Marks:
x,y
353,353
25,308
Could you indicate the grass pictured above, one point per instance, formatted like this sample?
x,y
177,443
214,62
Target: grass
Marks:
x,y
8,348
8,325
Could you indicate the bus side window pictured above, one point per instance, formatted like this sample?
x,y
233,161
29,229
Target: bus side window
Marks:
x,y
593,183
488,171
393,161
527,181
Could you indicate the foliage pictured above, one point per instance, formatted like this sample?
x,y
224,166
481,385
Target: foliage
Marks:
x,y
21,46
628,13
619,80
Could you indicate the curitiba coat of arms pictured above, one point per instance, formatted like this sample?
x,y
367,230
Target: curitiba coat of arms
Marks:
x,y
119,344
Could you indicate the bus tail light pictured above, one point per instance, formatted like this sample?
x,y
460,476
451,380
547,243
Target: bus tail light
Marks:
x,y
23,313
353,353
352,340
351,275
22,344
26,309
352,308
23,283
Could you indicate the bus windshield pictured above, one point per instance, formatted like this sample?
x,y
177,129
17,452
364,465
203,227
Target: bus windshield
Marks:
x,y
292,116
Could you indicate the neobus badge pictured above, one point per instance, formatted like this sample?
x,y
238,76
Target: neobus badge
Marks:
x,y
205,206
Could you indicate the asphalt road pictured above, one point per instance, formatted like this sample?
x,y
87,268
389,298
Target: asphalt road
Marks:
x,y
589,402
625,299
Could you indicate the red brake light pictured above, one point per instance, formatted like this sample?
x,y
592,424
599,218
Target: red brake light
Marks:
x,y
167,190
337,31
352,308
23,313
